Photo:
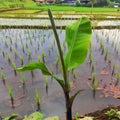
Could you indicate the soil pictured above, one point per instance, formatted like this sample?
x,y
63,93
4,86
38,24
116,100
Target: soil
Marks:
x,y
100,114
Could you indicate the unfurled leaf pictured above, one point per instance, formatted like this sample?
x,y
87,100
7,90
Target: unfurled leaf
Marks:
x,y
78,38
35,65
74,96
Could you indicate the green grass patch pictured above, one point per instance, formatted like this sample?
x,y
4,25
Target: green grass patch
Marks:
x,y
77,9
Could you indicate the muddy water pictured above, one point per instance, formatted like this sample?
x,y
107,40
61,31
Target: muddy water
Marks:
x,y
33,43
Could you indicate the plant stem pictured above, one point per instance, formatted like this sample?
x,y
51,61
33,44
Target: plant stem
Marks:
x,y
59,47
65,75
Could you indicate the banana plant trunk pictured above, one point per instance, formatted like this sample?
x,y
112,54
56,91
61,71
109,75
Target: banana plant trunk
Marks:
x,y
68,106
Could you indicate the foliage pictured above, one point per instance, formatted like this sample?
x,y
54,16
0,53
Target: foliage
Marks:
x,y
78,37
11,117
10,91
52,118
34,116
77,42
113,114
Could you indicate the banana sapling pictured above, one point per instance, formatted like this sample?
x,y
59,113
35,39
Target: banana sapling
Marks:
x,y
78,38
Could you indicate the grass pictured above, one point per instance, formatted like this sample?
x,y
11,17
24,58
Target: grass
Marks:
x,y
30,4
76,9
31,7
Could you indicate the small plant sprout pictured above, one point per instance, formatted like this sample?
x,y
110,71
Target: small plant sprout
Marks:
x,y
21,59
93,76
113,70
94,86
117,75
101,44
10,92
15,52
93,66
15,42
43,56
77,116
102,47
2,75
94,83
49,49
39,58
22,80
29,53
14,67
37,98
106,54
5,41
8,57
3,52
46,84
23,48
32,74
109,61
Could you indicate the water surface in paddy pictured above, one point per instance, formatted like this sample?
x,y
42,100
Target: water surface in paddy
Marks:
x,y
44,22
33,43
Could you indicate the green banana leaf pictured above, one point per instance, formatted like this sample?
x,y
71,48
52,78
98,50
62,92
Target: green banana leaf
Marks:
x,y
78,38
35,65
43,68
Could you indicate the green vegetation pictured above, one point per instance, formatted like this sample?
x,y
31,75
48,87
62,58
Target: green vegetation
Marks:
x,y
113,114
31,5
78,38
77,9
17,4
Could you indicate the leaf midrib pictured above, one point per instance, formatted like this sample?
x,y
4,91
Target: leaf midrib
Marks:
x,y
72,45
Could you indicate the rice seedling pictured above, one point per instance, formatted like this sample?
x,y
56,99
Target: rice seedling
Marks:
x,y
21,59
8,57
32,74
94,83
39,58
106,53
10,92
46,84
117,75
29,54
43,56
14,67
23,48
113,70
3,52
15,53
15,42
2,75
22,80
37,98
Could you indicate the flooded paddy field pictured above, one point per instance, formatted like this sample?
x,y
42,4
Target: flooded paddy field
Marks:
x,y
21,46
